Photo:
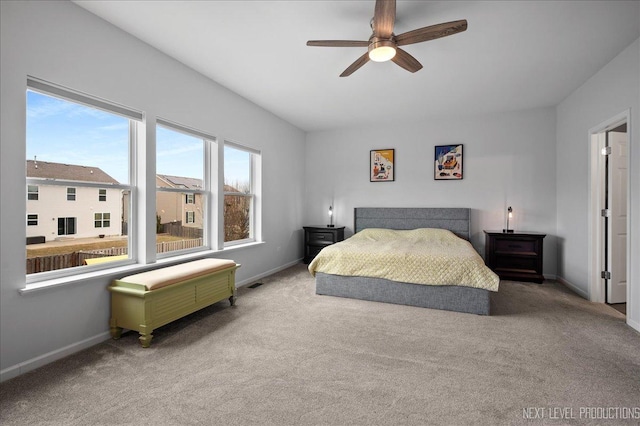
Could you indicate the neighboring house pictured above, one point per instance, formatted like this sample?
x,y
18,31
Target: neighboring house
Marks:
x,y
71,211
176,207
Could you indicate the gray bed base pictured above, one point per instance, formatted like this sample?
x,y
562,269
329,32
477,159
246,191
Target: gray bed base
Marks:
x,y
449,298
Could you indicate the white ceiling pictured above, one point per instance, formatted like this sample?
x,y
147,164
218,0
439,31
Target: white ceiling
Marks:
x,y
514,55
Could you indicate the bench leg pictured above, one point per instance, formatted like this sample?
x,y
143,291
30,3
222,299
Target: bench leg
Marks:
x,y
116,331
232,300
145,339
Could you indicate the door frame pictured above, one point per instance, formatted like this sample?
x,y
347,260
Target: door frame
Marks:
x,y
596,195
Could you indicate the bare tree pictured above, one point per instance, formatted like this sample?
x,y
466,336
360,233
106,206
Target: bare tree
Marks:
x,y
237,210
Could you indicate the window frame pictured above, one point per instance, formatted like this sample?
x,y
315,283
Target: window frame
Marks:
x,y
208,144
101,220
135,120
255,183
31,192
31,217
190,216
71,194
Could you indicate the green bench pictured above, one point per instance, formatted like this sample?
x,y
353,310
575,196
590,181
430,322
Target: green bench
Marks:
x,y
146,301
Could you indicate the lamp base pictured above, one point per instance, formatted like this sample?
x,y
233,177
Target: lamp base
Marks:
x,y
507,231
331,226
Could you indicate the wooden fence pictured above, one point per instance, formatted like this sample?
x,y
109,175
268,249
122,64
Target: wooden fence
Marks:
x,y
77,258
176,229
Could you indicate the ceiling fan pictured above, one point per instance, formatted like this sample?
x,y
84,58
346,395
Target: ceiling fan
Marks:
x,y
383,45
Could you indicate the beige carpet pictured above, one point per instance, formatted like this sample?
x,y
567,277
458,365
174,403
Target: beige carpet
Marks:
x,y
284,355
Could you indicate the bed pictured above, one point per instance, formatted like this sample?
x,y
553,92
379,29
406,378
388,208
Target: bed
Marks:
x,y
445,293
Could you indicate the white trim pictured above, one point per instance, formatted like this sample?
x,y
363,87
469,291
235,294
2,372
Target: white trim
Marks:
x,y
39,361
255,278
580,292
241,147
50,89
186,130
596,191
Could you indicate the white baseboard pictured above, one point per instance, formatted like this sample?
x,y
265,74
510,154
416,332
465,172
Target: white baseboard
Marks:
x,y
633,324
580,292
39,361
253,279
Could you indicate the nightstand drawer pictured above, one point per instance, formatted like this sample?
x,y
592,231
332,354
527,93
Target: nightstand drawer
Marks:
x,y
507,263
321,237
515,246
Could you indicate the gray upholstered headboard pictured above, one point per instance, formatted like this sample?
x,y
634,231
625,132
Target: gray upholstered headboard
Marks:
x,y
455,219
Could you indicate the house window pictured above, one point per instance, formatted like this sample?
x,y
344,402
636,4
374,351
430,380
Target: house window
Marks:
x,y
190,217
32,220
32,192
66,226
241,186
182,191
102,220
65,131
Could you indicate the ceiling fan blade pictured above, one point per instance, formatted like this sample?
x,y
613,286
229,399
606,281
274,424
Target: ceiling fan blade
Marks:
x,y
406,61
356,65
432,32
384,18
338,43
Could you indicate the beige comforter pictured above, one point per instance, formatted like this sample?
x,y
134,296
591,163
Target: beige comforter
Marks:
x,y
419,256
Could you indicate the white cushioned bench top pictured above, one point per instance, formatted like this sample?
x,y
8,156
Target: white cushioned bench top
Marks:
x,y
163,277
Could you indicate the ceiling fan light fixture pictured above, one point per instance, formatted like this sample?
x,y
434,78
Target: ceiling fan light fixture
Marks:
x,y
382,50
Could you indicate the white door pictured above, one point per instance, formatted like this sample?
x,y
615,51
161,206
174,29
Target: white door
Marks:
x,y
617,232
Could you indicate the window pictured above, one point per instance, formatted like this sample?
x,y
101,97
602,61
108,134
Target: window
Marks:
x,y
32,220
102,220
66,225
240,184
181,188
32,192
77,145
190,217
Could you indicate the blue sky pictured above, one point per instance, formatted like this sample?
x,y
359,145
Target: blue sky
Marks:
x,y
64,132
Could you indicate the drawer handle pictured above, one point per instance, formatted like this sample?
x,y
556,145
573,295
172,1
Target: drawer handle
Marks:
x,y
321,237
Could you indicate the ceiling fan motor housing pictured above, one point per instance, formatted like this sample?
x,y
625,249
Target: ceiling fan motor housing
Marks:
x,y
385,45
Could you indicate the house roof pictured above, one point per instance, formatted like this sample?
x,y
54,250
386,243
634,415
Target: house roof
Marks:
x,y
47,170
182,182
189,183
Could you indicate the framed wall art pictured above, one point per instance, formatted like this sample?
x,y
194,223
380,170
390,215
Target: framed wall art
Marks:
x,y
448,162
381,165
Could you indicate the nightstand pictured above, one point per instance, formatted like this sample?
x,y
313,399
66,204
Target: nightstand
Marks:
x,y
515,256
318,237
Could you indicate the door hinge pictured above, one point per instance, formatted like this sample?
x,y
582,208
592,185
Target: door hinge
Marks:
x,y
605,212
605,275
606,150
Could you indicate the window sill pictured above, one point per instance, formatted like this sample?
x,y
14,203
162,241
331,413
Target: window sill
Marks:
x,y
114,273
